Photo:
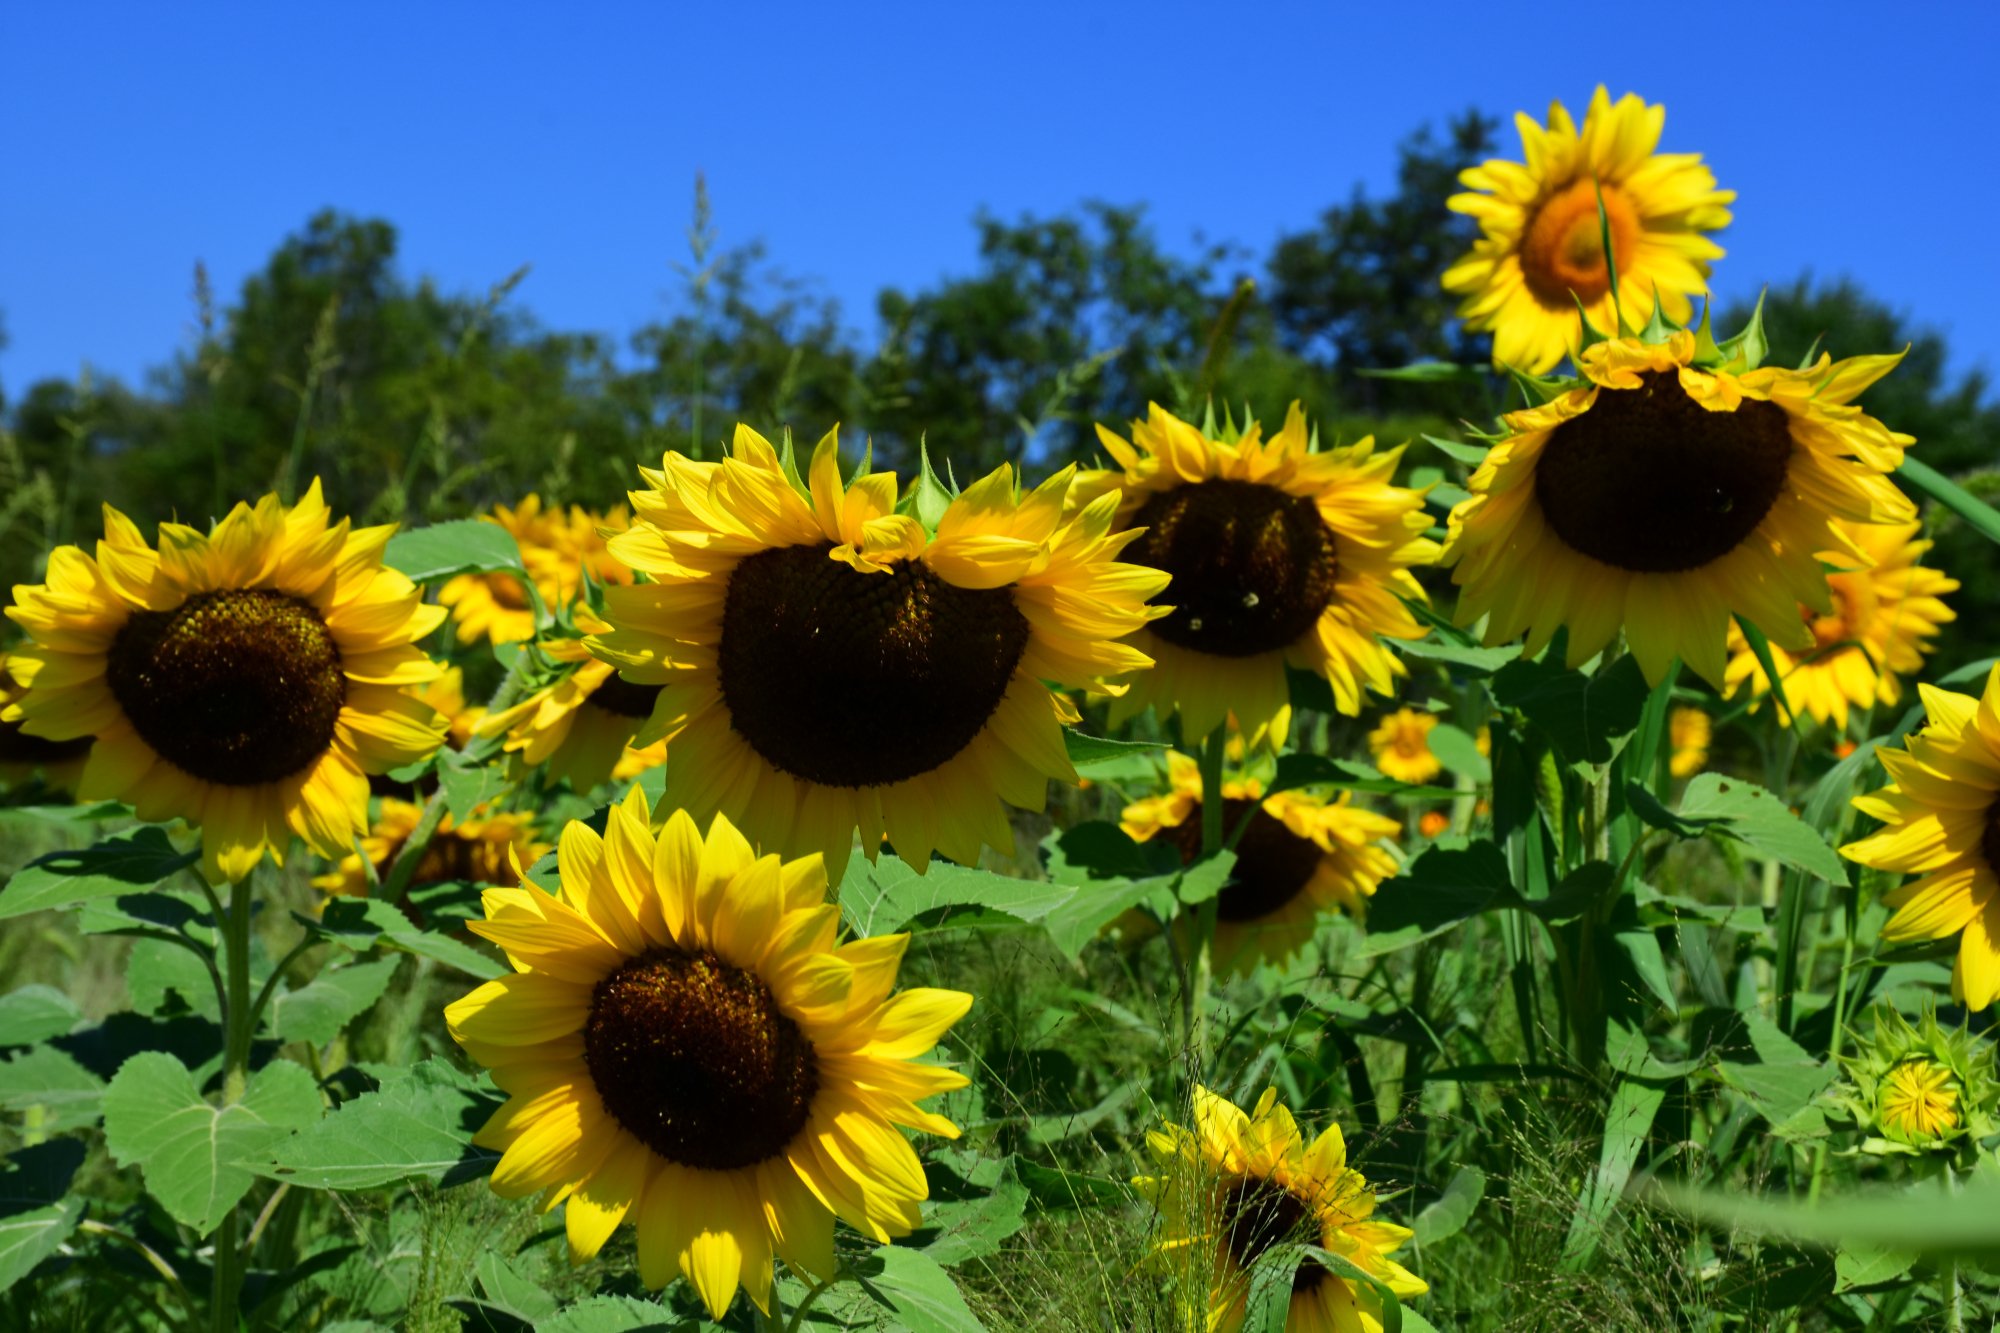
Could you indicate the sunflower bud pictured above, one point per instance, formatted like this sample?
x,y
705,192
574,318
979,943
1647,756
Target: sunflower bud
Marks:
x,y
1920,1088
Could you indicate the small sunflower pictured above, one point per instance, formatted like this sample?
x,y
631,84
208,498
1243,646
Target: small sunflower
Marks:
x,y
1236,1186
1689,732
1299,856
245,680
1540,254
557,546
477,851
1280,554
23,758
447,695
1877,630
1942,812
1919,1087
686,1045
1666,498
583,723
829,665
1401,746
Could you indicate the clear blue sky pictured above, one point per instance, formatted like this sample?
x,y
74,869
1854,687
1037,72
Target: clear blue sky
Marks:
x,y
859,140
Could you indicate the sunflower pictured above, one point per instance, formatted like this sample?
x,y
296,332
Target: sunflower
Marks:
x,y
1299,856
1236,1186
583,723
245,680
24,758
557,547
447,695
684,1044
1919,1100
1942,812
1878,628
477,851
1666,498
1689,732
1401,746
829,665
1540,255
1281,554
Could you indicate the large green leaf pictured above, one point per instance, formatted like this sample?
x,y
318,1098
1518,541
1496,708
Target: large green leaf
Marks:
x,y
971,1219
419,1124
1588,717
318,1010
462,546
52,1087
617,1314
1097,757
922,1294
37,1211
1443,886
884,897
33,1012
1755,817
361,922
131,861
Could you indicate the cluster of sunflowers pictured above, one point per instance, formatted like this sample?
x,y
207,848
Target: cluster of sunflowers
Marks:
x,y
803,670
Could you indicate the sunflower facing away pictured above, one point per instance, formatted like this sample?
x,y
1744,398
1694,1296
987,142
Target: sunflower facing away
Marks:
x,y
582,724
1236,1186
1280,554
245,680
1879,627
24,758
1401,746
829,665
1942,816
1664,498
478,851
557,545
1298,857
685,1045
1540,254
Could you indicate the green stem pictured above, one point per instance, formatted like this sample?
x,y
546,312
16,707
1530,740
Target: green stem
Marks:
x,y
1839,1025
396,884
238,1025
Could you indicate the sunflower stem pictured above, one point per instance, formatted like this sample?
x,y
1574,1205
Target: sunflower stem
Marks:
x,y
396,885
238,1023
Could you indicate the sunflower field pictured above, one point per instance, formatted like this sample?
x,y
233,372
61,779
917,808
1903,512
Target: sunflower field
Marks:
x,y
1540,874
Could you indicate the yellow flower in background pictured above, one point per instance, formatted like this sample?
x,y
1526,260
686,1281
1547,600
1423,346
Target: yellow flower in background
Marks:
x,y
1299,856
1663,500
1281,554
23,758
1689,732
686,1046
1919,1099
557,545
828,665
1540,254
1877,629
477,851
1235,1186
1941,813
583,724
1401,746
246,680
447,695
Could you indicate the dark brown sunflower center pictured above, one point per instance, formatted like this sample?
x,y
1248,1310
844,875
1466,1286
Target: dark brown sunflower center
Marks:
x,y
1258,1215
18,747
619,695
693,1057
1252,566
236,687
451,857
1989,841
1273,864
858,680
1650,481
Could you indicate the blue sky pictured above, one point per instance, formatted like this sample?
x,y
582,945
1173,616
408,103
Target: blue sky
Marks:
x,y
859,141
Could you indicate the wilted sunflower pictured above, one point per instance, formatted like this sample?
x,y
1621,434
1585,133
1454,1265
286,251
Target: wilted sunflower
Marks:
x,y
1541,252
829,665
1280,554
1942,811
1299,856
1666,498
557,546
1879,627
1236,1186
477,851
1401,746
582,724
23,758
246,679
685,1045
1689,732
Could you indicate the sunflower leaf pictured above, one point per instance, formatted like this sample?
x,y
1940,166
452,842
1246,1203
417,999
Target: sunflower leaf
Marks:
x,y
119,865
461,546
1588,717
33,1013
884,897
1746,812
1317,770
318,1010
910,1284
37,1210
417,1125
1098,752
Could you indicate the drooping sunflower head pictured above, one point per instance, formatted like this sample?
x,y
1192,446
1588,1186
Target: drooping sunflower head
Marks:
x,y
1279,553
1235,1186
482,850
1921,1086
559,548
582,721
1543,224
1880,619
686,1045
1298,856
1689,731
25,758
1665,497
246,679
1941,818
830,664
1400,744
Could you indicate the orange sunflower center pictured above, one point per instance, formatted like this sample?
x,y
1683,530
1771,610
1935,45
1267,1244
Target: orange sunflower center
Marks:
x,y
1273,864
1838,625
1252,567
813,649
1562,251
694,1058
1259,1214
624,698
237,687
1650,481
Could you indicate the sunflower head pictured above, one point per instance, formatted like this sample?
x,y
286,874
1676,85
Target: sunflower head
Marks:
x,y
1279,553
1400,744
482,850
1235,1186
1544,224
1920,1087
580,718
687,1045
25,758
1689,731
560,549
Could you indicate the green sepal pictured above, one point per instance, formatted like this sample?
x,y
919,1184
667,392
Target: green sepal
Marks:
x,y
929,496
1747,349
788,461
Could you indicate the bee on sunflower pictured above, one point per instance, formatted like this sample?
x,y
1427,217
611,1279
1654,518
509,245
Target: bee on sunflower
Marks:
x,y
582,723
558,548
1540,255
825,663
482,850
685,1045
246,679
24,758
1280,553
